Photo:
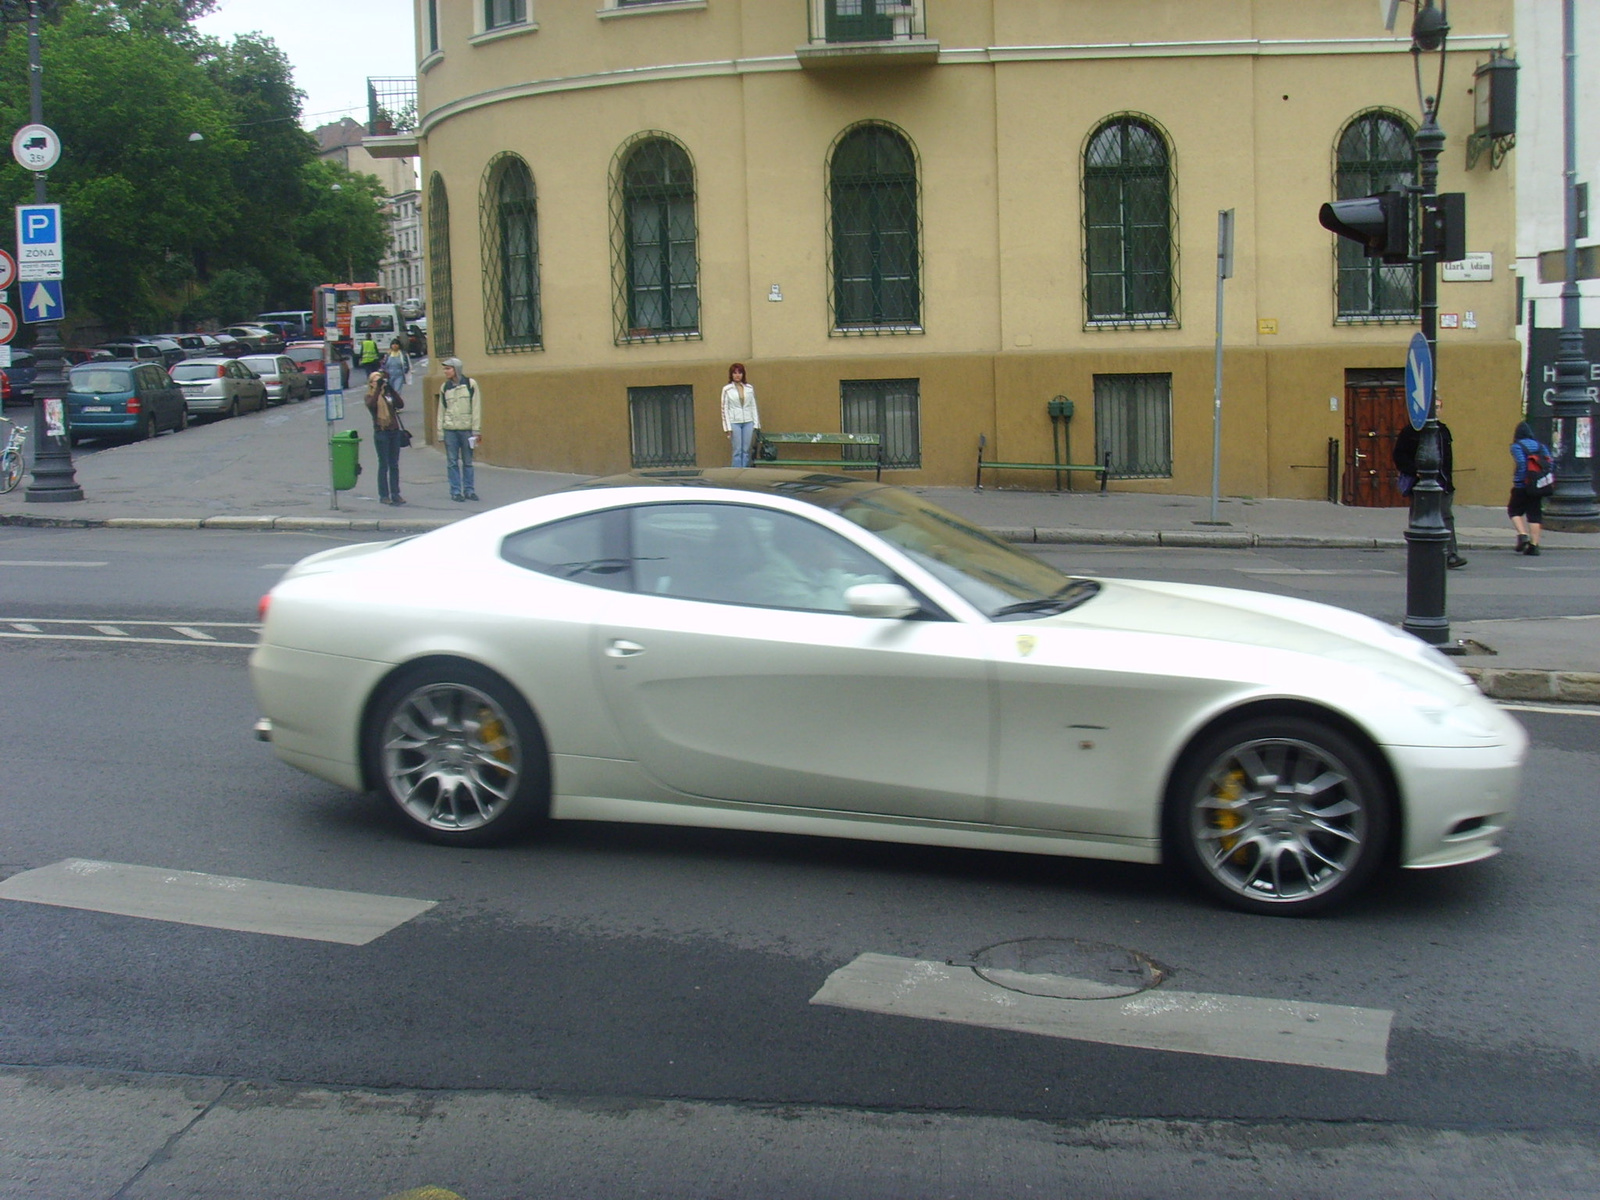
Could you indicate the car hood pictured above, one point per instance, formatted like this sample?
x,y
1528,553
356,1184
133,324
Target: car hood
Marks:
x,y
1257,619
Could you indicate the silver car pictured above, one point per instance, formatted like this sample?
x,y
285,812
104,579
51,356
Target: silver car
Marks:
x,y
219,387
284,379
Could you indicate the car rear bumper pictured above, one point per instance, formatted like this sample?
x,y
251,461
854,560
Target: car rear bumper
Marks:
x,y
84,423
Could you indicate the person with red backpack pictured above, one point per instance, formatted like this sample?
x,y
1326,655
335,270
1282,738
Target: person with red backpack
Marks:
x,y
1533,481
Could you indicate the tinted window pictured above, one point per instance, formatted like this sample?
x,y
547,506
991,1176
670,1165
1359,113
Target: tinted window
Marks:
x,y
305,354
99,380
731,554
589,549
194,371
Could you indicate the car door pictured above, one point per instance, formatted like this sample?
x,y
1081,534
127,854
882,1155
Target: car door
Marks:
x,y
295,384
735,671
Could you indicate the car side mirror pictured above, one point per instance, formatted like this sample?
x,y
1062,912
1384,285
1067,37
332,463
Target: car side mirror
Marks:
x,y
887,600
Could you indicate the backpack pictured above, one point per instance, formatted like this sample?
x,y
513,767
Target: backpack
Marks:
x,y
1539,479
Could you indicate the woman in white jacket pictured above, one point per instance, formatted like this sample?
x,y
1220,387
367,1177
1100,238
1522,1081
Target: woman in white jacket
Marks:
x,y
739,417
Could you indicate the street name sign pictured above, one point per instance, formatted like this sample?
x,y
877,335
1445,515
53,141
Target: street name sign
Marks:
x,y
41,301
38,242
36,147
1419,381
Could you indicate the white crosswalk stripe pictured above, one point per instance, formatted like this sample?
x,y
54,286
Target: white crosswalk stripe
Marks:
x,y
223,634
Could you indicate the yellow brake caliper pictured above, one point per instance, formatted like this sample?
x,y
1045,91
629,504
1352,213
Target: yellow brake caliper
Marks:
x,y
1229,791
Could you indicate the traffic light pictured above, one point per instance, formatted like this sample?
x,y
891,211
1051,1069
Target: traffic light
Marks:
x,y
1444,226
1381,223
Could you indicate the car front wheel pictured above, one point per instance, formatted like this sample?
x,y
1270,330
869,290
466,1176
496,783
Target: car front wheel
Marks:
x,y
1279,815
460,754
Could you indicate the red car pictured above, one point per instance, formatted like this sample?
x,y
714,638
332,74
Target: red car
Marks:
x,y
5,388
309,356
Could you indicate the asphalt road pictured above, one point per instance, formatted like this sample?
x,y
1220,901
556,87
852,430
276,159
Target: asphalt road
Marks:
x,y
657,981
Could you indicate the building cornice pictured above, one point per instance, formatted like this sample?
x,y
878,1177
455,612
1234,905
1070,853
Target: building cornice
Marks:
x,y
1242,48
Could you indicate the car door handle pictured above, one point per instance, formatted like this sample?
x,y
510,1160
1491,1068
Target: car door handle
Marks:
x,y
621,648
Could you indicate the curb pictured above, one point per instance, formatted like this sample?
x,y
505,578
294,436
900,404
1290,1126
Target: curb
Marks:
x,y
1517,683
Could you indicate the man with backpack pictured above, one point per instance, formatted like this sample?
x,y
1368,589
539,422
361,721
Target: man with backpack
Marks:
x,y
460,427
1533,481
1405,464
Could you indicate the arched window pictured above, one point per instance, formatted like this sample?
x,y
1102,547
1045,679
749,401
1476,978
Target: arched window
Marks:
x,y
441,303
875,231
510,229
655,242
1375,154
1128,224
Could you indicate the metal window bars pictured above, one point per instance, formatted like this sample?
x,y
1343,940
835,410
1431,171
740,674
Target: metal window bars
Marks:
x,y
441,300
844,21
1375,153
1133,425
654,241
661,426
509,237
890,408
1130,223
874,233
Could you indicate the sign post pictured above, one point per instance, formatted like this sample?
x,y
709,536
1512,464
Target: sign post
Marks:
x,y
1224,272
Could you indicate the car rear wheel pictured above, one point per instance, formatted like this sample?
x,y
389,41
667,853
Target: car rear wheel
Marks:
x,y
1279,815
183,418
233,407
460,755
147,428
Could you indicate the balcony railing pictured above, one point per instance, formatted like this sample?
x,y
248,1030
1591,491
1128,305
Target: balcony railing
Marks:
x,y
391,106
863,32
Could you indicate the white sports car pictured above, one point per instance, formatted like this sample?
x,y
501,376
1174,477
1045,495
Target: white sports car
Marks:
x,y
775,650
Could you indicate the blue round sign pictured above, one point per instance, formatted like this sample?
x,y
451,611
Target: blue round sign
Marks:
x,y
1419,380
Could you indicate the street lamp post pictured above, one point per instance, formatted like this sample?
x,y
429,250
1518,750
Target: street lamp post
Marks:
x,y
54,479
1427,535
1573,504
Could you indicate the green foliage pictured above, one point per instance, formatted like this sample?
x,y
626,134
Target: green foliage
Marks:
x,y
162,229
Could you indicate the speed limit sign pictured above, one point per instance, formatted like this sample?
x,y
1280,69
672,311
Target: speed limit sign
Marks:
x,y
8,270
8,324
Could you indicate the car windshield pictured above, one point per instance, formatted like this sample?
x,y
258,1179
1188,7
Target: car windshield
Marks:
x,y
194,370
991,575
97,381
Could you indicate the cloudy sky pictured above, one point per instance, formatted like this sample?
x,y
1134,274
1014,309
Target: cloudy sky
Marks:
x,y
333,45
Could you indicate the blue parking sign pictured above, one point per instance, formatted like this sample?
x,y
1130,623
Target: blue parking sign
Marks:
x,y
38,224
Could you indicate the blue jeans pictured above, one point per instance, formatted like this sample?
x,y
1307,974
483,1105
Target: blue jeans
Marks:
x,y
742,434
387,444
458,460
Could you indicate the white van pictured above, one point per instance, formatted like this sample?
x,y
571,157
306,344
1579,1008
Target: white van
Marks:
x,y
381,322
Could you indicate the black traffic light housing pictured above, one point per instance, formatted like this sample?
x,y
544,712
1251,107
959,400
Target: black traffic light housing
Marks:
x,y
1381,223
1444,226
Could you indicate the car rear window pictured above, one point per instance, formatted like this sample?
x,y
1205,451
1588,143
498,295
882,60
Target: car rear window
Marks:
x,y
261,364
194,370
97,381
305,354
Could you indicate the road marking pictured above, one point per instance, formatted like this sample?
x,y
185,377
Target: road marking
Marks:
x,y
1311,571
44,562
1331,1036
24,627
1553,708
111,630
189,631
143,633
214,901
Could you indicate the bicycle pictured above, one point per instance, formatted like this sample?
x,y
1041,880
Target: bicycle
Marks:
x,y
12,465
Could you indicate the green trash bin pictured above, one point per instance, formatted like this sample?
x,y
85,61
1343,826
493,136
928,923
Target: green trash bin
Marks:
x,y
346,452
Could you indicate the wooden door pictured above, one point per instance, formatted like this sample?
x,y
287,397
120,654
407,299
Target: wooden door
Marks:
x,y
1374,414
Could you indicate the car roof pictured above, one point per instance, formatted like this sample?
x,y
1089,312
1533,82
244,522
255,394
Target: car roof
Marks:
x,y
813,487
213,359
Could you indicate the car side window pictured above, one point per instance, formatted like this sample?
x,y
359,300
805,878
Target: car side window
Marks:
x,y
590,549
742,554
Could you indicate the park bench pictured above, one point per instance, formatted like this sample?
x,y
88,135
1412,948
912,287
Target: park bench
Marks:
x,y
1101,469
775,440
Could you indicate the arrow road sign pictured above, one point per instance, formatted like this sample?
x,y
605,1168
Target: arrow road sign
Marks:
x,y
41,301
1419,381
8,324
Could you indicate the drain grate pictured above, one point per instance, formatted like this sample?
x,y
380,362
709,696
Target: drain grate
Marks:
x,y
1067,968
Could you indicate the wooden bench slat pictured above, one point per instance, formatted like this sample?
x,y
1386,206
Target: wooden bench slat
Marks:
x,y
792,438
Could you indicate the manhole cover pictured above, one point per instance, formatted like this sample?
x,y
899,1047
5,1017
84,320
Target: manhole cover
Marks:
x,y
1067,968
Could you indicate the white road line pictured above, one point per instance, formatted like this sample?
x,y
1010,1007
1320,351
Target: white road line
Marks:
x,y
129,640
253,625
1553,708
1283,1031
1309,571
45,562
110,630
190,632
214,901
24,627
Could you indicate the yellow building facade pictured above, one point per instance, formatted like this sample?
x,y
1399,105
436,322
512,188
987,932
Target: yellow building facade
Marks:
x,y
929,220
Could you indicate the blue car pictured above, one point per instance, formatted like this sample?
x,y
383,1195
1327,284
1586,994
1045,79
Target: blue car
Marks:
x,y
108,398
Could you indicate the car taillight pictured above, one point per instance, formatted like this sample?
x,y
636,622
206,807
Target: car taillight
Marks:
x,y
262,605
221,371
134,406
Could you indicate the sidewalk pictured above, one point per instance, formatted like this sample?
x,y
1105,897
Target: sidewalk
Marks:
x,y
270,471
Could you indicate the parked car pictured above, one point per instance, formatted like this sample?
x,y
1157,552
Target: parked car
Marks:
x,y
229,346
138,351
171,350
416,341
259,338
75,354
122,399
1279,752
5,389
284,379
296,321
193,344
21,373
219,387
309,357
411,308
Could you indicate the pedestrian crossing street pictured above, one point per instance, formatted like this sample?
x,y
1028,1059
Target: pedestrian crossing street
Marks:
x,y
237,635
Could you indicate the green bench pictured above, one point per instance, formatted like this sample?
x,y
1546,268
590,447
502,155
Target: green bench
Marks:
x,y
1101,469
763,439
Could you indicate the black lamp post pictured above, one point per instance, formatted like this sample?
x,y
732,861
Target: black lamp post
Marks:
x,y
1573,505
1427,536
53,476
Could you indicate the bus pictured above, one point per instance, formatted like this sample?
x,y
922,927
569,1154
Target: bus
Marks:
x,y
331,304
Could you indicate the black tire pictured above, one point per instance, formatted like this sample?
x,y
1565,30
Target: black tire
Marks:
x,y
1279,815
233,407
459,754
147,428
183,419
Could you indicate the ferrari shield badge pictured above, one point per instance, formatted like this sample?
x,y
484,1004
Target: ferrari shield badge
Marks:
x,y
1025,644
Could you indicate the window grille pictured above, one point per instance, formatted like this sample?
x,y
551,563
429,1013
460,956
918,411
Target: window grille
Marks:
x,y
655,241
441,303
662,424
889,408
875,232
1133,423
499,13
1375,154
1129,225
509,224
